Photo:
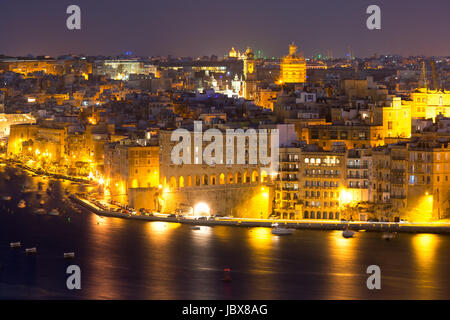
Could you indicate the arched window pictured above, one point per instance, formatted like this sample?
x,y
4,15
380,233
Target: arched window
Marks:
x,y
306,215
230,178
222,178
238,177
263,176
246,177
213,180
189,181
197,180
172,182
181,182
255,176
205,179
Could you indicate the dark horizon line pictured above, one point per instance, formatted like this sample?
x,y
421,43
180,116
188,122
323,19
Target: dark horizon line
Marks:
x,y
45,56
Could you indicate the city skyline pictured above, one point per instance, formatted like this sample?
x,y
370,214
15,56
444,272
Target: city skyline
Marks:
x,y
408,28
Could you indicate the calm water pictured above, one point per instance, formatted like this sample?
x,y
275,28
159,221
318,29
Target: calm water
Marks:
x,y
122,259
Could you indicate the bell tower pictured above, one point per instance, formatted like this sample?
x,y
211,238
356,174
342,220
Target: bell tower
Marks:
x,y
249,75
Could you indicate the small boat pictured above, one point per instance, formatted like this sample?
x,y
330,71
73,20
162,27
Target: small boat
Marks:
x,y
15,244
195,228
388,235
39,211
54,212
69,255
22,204
6,198
347,233
30,251
281,231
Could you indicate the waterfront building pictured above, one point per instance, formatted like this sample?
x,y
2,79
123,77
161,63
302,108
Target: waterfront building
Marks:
x,y
131,165
226,187
287,203
359,161
44,143
322,181
428,177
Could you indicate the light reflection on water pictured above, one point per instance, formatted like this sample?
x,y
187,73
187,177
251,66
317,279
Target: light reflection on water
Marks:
x,y
425,248
128,259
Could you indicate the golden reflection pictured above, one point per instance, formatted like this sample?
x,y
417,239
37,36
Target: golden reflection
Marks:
x,y
261,238
222,232
160,259
99,263
263,259
342,267
425,246
162,227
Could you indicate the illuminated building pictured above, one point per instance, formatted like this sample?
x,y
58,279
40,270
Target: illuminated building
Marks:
x,y
428,177
354,136
42,142
265,98
287,191
47,66
130,165
293,67
381,175
429,103
120,69
6,120
249,75
358,164
240,190
26,67
396,119
235,54
322,181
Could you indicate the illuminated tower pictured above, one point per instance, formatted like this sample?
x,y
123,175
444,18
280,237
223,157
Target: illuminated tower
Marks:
x,y
293,67
249,75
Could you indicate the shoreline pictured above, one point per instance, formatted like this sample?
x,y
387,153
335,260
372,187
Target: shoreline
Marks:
x,y
250,223
297,224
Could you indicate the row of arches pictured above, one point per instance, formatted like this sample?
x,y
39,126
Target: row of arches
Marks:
x,y
216,179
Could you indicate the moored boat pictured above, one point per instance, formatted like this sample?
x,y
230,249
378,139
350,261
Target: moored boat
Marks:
x,y
54,212
281,231
69,255
30,251
347,233
15,244
388,235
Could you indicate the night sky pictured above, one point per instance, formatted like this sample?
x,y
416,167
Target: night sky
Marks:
x,y
205,27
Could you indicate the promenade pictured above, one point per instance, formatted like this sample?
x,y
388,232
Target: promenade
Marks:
x,y
441,228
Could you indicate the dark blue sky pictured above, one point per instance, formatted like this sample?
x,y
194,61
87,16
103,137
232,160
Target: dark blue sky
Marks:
x,y
205,27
